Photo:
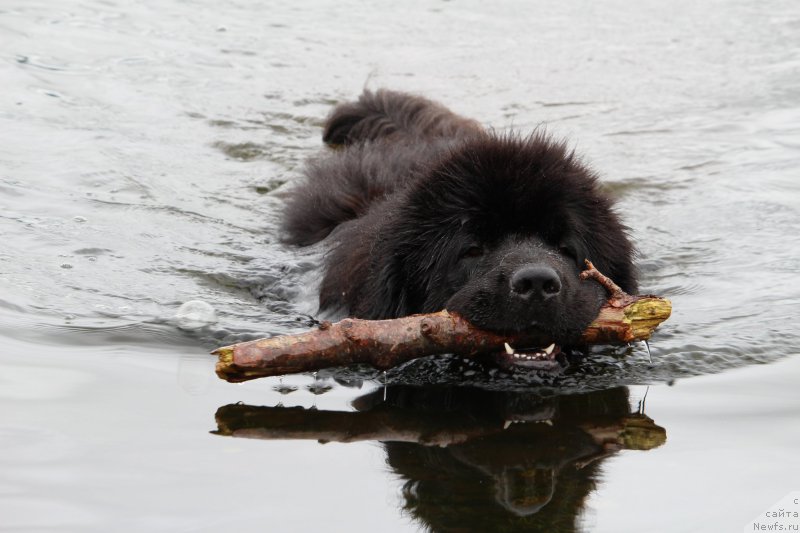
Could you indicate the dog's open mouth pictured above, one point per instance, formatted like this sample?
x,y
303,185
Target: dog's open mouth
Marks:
x,y
538,358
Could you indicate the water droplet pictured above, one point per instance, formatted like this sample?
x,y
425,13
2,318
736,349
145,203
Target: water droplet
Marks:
x,y
647,346
319,388
284,389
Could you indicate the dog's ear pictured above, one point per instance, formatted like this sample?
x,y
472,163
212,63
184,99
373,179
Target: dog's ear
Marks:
x,y
612,253
364,275
597,233
386,293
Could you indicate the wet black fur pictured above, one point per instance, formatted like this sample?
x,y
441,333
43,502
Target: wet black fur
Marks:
x,y
424,210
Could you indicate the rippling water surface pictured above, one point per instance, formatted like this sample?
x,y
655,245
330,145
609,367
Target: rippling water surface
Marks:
x,y
145,151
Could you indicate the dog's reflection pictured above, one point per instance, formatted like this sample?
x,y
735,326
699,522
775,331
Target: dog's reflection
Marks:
x,y
474,460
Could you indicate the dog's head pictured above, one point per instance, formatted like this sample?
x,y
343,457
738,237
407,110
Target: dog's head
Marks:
x,y
497,230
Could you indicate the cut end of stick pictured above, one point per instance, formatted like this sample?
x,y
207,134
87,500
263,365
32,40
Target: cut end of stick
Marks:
x,y
646,314
225,355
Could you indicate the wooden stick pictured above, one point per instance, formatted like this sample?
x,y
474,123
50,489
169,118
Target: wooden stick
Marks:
x,y
385,344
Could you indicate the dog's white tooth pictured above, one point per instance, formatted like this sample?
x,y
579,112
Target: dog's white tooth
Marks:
x,y
549,349
507,423
509,349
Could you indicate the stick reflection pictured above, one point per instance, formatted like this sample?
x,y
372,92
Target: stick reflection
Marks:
x,y
474,459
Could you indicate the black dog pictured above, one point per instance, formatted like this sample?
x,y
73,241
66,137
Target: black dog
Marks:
x,y
425,210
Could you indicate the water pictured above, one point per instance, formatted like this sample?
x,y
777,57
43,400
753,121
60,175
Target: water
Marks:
x,y
144,152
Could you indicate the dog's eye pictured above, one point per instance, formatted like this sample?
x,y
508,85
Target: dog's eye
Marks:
x,y
569,251
473,251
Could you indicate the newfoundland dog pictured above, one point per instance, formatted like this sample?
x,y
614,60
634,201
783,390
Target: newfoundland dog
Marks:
x,y
424,210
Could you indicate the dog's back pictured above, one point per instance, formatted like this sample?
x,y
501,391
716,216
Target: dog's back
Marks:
x,y
394,116
379,141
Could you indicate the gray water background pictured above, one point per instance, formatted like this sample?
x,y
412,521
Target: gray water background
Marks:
x,y
144,151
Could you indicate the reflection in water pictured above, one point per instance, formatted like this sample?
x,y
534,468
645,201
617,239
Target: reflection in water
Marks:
x,y
474,460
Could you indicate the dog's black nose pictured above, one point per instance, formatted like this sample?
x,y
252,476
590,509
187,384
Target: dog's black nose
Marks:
x,y
538,282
